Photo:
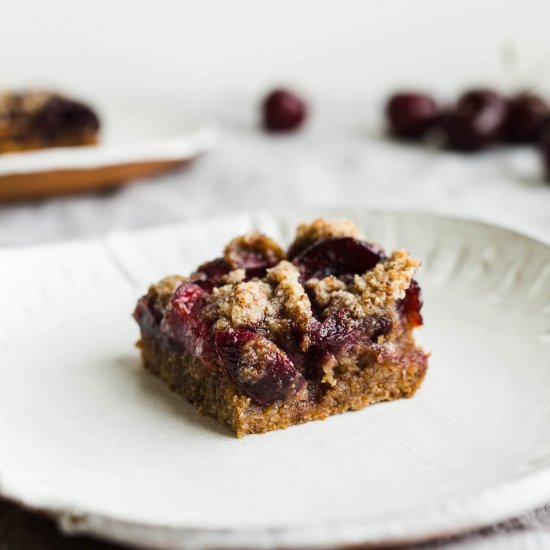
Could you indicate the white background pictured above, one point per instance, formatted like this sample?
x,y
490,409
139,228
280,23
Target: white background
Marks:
x,y
187,48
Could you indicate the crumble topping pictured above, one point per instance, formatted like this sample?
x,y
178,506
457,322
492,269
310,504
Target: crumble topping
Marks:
x,y
325,289
367,294
238,305
161,292
289,294
387,282
277,306
235,276
250,247
277,302
320,229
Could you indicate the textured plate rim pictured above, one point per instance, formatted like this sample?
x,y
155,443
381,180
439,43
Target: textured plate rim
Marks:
x,y
442,520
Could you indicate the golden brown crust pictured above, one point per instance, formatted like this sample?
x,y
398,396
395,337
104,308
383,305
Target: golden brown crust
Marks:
x,y
358,382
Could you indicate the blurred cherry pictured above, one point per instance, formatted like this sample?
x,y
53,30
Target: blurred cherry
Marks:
x,y
544,147
411,114
527,114
283,111
477,120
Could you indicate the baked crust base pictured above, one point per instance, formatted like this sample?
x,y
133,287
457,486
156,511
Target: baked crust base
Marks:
x,y
359,381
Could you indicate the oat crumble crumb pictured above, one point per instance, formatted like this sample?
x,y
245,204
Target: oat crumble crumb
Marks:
x,y
162,291
290,293
387,282
252,243
319,229
235,276
237,305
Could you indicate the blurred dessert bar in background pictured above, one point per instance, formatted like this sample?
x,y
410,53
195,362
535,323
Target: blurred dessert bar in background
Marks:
x,y
39,119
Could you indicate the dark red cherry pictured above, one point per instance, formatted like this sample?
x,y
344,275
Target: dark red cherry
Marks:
x,y
337,256
411,114
254,253
544,147
476,122
182,324
259,368
148,315
338,331
410,306
334,332
283,111
527,115
210,273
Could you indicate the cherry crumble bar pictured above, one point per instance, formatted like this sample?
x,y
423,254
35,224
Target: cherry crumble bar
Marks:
x,y
38,119
262,339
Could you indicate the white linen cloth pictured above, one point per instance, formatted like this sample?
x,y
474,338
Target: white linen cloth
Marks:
x,y
341,159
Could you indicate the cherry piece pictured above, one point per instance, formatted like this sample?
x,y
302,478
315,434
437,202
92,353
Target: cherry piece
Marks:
x,y
409,307
148,316
338,332
209,274
283,111
544,147
477,120
270,377
527,115
182,324
337,256
254,253
411,114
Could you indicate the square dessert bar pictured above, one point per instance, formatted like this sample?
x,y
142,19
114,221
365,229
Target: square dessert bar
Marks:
x,y
263,339
38,119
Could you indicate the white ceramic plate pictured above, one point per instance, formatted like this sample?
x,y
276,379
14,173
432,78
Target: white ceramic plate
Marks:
x,y
89,437
137,140
131,132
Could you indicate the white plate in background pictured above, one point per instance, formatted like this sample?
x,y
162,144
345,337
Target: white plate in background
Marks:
x,y
95,441
133,135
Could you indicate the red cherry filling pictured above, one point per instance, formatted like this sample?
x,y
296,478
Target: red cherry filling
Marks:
x,y
409,307
259,368
337,256
544,148
339,332
210,273
255,264
148,315
182,325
